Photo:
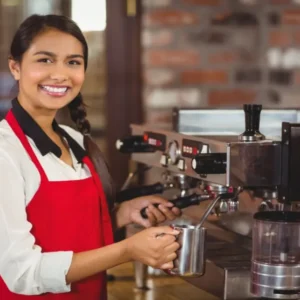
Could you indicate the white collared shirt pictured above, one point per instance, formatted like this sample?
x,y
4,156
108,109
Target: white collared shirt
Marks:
x,y
23,266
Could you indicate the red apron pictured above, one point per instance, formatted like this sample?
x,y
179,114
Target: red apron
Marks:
x,y
66,215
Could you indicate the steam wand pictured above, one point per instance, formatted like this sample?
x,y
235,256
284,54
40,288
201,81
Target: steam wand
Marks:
x,y
213,204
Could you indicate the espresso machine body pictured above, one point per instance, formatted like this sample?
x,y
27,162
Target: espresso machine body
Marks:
x,y
222,151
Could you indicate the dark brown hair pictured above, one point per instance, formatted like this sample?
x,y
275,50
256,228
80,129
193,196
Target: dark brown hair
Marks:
x,y
24,36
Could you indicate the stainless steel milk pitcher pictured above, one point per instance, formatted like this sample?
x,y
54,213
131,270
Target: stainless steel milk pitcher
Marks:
x,y
190,259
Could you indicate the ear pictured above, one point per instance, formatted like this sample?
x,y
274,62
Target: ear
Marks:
x,y
14,67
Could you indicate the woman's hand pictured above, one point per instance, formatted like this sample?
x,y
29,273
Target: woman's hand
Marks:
x,y
154,247
130,211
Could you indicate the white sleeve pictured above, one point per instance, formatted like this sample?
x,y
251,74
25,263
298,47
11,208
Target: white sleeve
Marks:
x,y
23,266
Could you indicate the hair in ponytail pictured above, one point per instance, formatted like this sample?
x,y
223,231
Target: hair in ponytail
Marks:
x,y
78,115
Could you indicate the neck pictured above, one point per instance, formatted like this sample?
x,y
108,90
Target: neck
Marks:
x,y
43,117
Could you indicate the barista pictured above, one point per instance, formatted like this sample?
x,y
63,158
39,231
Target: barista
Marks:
x,y
55,226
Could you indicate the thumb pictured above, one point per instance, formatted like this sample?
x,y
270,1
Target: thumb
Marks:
x,y
164,230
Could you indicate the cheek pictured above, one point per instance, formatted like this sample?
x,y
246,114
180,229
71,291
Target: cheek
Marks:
x,y
78,79
32,75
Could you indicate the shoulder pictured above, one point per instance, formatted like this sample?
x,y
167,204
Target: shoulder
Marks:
x,y
76,135
11,149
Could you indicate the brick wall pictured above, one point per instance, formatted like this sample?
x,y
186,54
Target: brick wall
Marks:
x,y
219,53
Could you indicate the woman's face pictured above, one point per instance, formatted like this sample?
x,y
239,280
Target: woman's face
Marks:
x,y
51,72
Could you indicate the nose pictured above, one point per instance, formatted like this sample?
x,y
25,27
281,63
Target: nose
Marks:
x,y
59,74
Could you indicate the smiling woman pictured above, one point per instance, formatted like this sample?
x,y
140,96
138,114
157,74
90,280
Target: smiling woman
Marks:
x,y
55,221
54,65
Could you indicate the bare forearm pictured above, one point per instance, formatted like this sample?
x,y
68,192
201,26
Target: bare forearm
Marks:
x,y
89,263
121,215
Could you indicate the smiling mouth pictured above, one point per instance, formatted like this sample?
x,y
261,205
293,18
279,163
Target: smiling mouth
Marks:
x,y
54,91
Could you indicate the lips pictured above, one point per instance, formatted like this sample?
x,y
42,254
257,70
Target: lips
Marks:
x,y
55,90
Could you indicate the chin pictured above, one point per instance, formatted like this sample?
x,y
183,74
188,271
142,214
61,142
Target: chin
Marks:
x,y
54,105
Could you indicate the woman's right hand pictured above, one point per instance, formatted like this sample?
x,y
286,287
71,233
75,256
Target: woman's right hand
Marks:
x,y
154,247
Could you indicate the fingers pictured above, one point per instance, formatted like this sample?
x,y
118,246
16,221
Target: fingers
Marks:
x,y
159,216
151,217
167,212
172,248
167,266
163,212
163,229
176,211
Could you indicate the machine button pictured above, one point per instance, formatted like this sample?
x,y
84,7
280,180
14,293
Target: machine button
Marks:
x,y
164,160
181,164
173,152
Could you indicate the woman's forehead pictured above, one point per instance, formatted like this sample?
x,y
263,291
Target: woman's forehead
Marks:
x,y
56,41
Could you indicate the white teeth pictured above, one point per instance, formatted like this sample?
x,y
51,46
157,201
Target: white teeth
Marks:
x,y
54,89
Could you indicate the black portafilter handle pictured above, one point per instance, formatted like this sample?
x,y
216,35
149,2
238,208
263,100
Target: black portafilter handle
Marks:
x,y
156,188
134,144
252,120
182,202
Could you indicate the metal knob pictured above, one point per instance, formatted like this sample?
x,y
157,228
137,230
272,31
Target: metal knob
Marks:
x,y
209,163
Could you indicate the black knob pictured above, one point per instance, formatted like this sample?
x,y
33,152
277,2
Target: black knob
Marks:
x,y
134,144
209,163
252,119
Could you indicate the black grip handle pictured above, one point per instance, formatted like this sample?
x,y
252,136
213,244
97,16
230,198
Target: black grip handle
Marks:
x,y
128,194
252,117
181,202
134,144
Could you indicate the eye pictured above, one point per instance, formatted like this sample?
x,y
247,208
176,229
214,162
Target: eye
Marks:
x,y
75,62
45,60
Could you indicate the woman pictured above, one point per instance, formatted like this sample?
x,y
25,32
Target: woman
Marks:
x,y
55,226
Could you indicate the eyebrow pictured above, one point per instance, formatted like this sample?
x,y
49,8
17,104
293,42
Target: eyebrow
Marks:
x,y
51,54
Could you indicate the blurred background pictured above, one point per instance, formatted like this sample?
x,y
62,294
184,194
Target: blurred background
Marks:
x,y
147,56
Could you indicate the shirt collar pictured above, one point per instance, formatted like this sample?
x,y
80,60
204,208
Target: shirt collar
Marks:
x,y
40,138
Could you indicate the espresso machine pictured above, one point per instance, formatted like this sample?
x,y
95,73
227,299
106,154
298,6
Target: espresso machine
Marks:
x,y
238,174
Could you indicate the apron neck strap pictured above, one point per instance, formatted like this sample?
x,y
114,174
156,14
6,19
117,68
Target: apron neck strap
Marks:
x,y
13,123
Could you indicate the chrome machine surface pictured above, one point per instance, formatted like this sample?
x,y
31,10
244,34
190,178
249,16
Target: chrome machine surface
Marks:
x,y
253,170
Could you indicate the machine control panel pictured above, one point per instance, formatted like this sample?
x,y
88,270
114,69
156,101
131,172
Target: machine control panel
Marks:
x,y
175,152
155,139
191,148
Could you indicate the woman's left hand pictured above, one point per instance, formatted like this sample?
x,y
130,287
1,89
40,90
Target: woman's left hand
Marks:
x,y
164,211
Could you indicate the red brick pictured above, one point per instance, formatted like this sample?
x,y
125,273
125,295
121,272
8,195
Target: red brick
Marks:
x,y
234,97
170,17
225,57
291,16
296,79
280,2
160,98
161,118
203,2
297,37
157,38
279,38
171,57
160,77
204,77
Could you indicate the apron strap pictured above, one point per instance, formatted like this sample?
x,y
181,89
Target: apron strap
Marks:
x,y
13,123
105,215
